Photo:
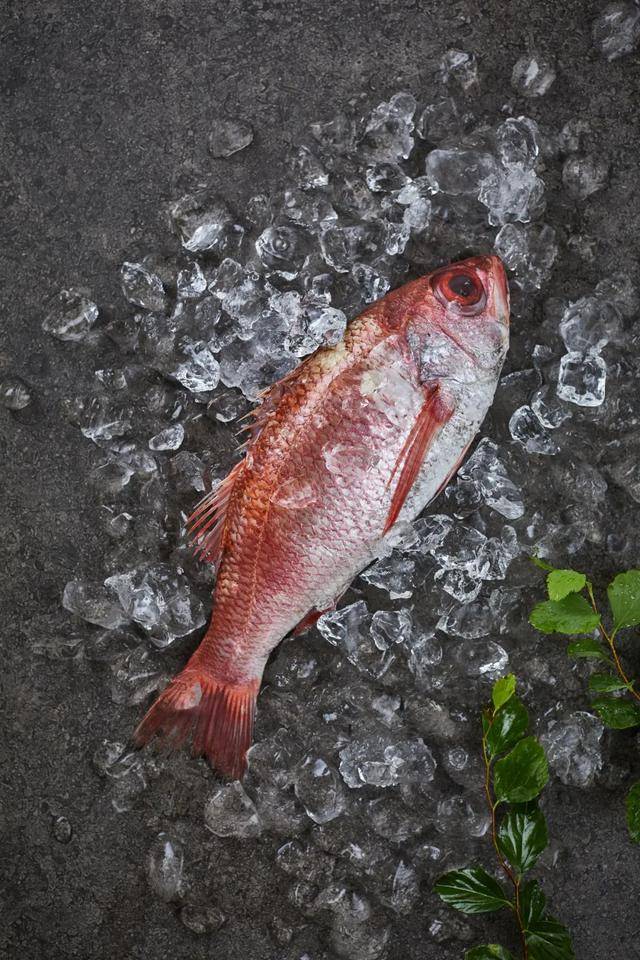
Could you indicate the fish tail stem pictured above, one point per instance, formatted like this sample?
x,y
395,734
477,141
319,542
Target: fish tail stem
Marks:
x,y
217,714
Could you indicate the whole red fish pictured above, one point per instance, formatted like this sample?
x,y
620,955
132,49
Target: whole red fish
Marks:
x,y
359,436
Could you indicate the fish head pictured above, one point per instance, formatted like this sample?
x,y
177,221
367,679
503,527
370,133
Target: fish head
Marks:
x,y
459,327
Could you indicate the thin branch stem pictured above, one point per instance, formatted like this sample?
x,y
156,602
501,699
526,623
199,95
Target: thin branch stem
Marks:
x,y
609,639
493,806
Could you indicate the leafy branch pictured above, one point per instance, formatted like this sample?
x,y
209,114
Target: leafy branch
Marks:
x,y
515,772
572,610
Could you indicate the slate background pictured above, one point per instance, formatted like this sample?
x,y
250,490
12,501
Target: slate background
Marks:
x,y
103,107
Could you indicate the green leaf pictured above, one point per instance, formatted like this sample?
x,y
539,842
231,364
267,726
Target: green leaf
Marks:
x,y
560,583
617,713
542,563
589,647
521,775
605,683
624,599
471,890
573,614
503,690
508,726
490,951
549,940
523,836
532,902
632,804
546,938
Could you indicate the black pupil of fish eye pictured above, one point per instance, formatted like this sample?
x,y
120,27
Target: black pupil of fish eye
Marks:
x,y
462,285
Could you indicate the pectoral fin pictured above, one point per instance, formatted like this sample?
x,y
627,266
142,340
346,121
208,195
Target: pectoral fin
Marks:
x,y
435,412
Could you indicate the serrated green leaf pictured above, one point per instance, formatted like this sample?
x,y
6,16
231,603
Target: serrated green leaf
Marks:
x,y
605,683
521,775
489,951
549,940
532,902
589,647
471,890
503,690
617,713
522,836
571,615
624,599
542,563
509,725
632,804
560,583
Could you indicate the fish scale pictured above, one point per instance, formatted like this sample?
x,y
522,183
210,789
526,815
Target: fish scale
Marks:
x,y
399,400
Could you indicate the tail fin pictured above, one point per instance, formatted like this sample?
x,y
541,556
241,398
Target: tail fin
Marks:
x,y
219,715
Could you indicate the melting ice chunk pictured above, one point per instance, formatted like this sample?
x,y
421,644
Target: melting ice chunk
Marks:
x,y
582,379
381,762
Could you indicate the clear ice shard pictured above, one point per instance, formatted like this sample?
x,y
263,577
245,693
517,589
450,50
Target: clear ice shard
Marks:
x,y
165,864
159,598
230,812
533,75
582,379
380,761
228,136
616,32
14,393
72,316
573,744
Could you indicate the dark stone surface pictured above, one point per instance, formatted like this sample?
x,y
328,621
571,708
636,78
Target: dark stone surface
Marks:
x,y
104,106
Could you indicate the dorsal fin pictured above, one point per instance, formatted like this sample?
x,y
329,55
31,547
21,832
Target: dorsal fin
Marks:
x,y
433,415
205,526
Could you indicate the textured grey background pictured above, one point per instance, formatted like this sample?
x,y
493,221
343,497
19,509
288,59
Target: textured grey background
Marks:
x,y
103,107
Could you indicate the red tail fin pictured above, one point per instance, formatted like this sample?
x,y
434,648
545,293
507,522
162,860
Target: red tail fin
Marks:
x,y
219,715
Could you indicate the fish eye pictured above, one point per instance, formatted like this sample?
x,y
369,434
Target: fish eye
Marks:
x,y
461,288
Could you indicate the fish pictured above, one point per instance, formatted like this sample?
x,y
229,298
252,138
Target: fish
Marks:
x,y
357,439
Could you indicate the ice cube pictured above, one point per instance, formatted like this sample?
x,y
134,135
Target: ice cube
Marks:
x,y
283,250
204,223
171,438
582,379
14,393
485,473
389,627
439,121
583,176
308,170
388,133
319,789
573,747
589,324
165,864
227,406
142,287
458,171
518,141
342,246
158,597
533,75
72,316
191,282
512,192
228,136
529,432
337,135
481,658
200,371
468,620
530,251
93,603
230,812
461,816
616,32
135,675
461,67
621,291
380,761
